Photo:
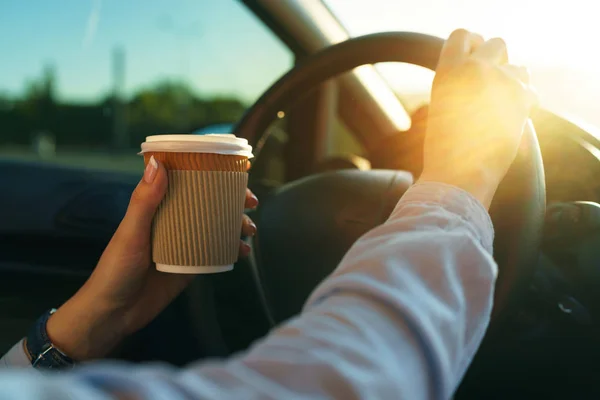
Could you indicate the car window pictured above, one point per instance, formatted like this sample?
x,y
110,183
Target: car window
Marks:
x,y
83,82
557,52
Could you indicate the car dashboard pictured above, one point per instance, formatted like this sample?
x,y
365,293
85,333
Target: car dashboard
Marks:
x,y
549,345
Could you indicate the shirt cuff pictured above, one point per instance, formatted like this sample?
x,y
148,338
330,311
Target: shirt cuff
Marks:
x,y
454,200
16,357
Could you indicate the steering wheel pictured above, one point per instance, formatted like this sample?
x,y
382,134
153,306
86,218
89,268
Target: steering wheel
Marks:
x,y
307,226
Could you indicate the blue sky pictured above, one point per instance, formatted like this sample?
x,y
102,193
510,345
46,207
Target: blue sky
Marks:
x,y
218,47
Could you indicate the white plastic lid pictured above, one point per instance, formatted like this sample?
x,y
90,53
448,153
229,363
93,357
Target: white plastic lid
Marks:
x,y
217,143
181,269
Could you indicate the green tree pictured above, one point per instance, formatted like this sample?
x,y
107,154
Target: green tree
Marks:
x,y
173,107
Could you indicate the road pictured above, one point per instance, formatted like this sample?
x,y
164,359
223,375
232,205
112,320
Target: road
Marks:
x,y
129,162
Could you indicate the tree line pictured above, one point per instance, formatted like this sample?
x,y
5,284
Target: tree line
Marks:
x,y
164,107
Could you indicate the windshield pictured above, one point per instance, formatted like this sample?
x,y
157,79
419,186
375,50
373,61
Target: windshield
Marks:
x,y
82,83
557,40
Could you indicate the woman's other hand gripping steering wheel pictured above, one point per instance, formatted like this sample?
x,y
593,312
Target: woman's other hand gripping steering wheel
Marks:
x,y
479,108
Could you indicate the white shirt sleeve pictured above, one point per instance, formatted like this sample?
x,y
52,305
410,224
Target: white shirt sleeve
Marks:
x,y
400,318
15,358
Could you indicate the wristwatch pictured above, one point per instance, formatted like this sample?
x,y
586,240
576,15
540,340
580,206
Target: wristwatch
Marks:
x,y
42,353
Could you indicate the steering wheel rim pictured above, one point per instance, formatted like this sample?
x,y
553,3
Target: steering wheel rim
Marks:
x,y
518,208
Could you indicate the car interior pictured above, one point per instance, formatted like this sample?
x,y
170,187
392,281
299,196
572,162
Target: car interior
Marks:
x,y
56,219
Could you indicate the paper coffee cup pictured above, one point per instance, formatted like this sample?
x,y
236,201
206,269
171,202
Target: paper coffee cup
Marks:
x,y
196,229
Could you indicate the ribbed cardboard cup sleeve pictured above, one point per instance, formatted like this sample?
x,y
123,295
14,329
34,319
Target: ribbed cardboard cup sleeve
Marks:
x,y
196,228
199,161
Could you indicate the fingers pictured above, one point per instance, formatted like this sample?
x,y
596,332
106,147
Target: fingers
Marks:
x,y
248,230
459,46
522,76
144,201
251,200
517,72
136,226
493,51
248,227
245,249
463,44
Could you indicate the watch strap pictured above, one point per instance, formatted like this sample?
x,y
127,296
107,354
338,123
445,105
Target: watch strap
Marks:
x,y
42,352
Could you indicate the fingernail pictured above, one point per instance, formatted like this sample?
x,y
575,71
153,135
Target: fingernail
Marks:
x,y
252,228
254,202
246,249
151,170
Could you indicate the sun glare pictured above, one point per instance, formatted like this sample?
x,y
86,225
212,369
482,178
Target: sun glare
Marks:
x,y
538,32
557,40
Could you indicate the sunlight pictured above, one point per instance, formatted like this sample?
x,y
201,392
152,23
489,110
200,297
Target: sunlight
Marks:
x,y
386,98
537,32
333,33
556,40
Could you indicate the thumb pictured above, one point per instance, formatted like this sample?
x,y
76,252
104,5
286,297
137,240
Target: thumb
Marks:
x,y
144,201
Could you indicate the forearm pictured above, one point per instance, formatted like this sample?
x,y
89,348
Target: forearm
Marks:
x,y
431,268
400,318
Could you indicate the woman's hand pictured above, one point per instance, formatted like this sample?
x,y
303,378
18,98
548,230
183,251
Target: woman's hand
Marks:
x,y
125,291
479,108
